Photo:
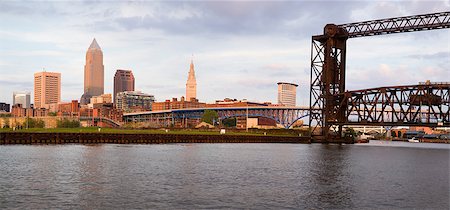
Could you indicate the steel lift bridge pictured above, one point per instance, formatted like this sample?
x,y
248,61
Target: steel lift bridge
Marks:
x,y
331,107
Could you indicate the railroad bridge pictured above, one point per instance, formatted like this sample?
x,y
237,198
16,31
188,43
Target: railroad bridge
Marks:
x,y
332,107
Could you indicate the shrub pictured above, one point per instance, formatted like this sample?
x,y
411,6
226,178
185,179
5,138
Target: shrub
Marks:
x,y
5,122
67,123
33,123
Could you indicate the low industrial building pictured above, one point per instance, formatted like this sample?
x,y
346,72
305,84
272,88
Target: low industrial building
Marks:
x,y
177,104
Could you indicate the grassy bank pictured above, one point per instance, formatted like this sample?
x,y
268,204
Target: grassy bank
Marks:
x,y
148,131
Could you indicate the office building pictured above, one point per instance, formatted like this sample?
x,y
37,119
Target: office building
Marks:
x,y
17,110
22,98
123,81
93,73
101,99
69,109
47,88
287,93
134,101
191,84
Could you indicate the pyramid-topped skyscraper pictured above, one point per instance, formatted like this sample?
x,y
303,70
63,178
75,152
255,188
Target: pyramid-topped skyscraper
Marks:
x,y
93,73
191,84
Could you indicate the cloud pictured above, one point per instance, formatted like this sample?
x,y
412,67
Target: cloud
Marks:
x,y
438,55
212,18
394,75
388,9
241,48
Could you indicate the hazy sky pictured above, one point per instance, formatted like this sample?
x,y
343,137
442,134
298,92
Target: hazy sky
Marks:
x,y
241,49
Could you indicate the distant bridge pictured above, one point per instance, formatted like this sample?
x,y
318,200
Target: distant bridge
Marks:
x,y
412,105
285,116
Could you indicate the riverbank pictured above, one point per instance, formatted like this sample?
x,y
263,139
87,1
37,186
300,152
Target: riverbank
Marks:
x,y
64,137
421,140
253,132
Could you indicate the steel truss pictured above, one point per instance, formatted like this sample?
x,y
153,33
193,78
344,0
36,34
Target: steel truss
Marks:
x,y
427,105
327,91
398,25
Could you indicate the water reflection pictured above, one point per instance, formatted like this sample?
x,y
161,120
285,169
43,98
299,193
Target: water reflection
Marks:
x,y
330,183
230,176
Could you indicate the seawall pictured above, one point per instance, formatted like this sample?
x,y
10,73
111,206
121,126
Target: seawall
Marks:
x,y
107,138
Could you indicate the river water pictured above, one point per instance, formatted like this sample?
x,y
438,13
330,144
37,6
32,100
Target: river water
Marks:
x,y
378,175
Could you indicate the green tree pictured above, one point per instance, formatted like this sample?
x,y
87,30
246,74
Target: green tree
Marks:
x,y
210,116
52,114
6,122
350,133
33,123
67,123
229,122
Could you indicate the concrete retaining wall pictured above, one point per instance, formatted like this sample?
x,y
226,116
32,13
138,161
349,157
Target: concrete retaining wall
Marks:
x,y
100,138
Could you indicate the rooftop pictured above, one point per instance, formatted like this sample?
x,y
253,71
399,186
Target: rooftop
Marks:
x,y
94,45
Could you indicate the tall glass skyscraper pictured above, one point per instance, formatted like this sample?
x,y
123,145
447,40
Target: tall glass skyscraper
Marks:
x,y
93,73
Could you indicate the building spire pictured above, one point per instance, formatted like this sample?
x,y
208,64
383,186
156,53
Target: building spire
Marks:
x,y
192,63
191,84
94,45
191,76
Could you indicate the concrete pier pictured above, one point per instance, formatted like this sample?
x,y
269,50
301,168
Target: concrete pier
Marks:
x,y
106,138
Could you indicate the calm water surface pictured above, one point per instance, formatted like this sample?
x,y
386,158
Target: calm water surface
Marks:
x,y
381,175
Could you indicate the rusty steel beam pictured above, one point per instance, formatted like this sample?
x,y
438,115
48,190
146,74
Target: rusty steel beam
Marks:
x,y
328,56
400,105
398,25
328,53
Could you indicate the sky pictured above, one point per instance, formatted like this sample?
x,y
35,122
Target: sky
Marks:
x,y
240,49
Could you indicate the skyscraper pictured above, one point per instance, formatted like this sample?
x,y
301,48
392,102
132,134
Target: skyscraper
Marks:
x,y
287,93
123,81
22,98
47,88
93,73
191,84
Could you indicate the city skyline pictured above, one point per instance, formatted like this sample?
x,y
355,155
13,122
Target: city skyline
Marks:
x,y
234,58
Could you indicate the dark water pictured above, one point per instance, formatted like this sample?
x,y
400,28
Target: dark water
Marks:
x,y
223,176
